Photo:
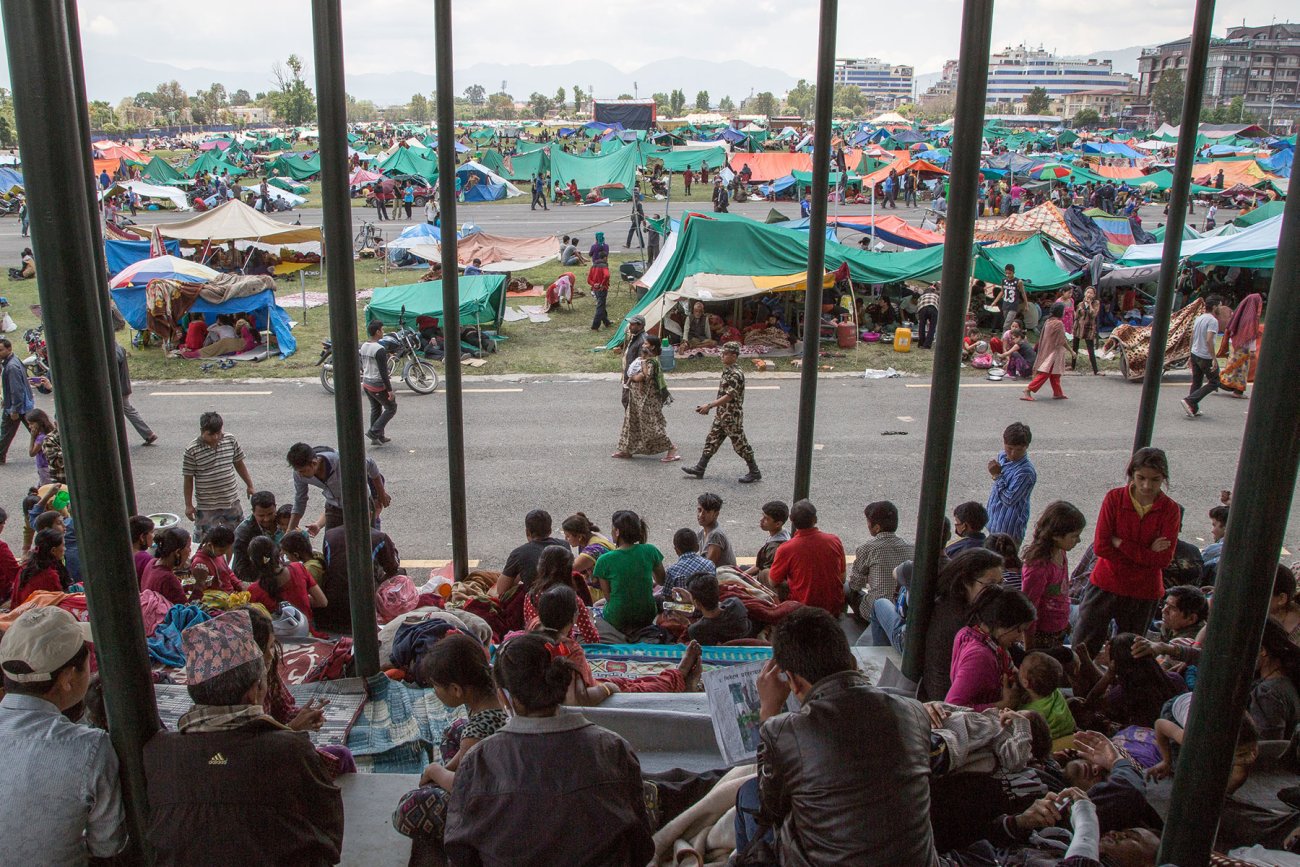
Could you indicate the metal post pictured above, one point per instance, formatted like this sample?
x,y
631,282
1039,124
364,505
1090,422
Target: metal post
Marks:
x,y
812,305
1270,450
968,121
451,290
327,33
54,168
101,266
1178,194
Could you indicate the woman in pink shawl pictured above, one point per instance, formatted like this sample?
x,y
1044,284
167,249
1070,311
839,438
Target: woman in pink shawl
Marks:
x,y
1243,336
1051,355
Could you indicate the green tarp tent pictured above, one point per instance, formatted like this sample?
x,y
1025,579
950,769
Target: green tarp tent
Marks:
x,y
408,161
1264,212
1163,180
294,167
482,301
527,147
290,185
735,245
679,160
524,166
615,172
1188,233
492,159
161,172
1032,262
210,162
804,179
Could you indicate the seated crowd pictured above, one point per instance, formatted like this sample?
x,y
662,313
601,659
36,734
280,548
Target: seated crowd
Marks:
x,y
1050,697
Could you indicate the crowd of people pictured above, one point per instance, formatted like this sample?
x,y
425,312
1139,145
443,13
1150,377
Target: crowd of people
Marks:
x,y
1056,686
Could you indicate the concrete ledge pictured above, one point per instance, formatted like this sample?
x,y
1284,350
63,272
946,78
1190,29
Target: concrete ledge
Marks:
x,y
368,803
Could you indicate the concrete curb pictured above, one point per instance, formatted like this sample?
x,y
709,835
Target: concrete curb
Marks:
x,y
525,377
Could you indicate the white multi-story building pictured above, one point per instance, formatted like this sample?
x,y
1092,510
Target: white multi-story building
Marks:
x,y
1013,72
881,83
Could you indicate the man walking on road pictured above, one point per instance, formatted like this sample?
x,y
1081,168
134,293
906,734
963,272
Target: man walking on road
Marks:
x,y
539,193
211,468
377,383
18,399
132,414
1205,369
729,420
598,280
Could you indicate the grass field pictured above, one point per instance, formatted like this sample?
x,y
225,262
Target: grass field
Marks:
x,y
563,345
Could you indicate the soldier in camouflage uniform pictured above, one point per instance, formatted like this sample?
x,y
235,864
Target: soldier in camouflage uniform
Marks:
x,y
729,420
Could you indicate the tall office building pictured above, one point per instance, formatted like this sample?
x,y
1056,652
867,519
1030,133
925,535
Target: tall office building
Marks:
x,y
1013,72
1259,64
883,84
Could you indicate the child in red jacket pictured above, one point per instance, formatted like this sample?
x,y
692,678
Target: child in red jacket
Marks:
x,y
1137,531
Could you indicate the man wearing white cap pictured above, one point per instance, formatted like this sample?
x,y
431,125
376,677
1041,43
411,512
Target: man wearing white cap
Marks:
x,y
62,800
234,786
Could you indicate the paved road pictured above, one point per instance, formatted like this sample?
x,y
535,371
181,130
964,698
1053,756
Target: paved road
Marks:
x,y
546,444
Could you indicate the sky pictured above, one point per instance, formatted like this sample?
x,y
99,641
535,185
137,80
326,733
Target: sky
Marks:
x,y
394,35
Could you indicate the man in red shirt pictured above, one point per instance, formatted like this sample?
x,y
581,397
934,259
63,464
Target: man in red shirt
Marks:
x,y
811,564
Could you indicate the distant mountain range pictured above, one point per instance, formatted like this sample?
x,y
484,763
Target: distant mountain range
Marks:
x,y
112,76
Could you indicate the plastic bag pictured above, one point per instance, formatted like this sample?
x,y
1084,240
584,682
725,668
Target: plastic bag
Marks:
x,y
395,597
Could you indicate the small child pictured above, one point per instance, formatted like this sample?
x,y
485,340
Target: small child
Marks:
x,y
141,541
689,563
283,517
994,740
1047,573
214,555
969,520
457,669
296,547
1041,677
1211,553
719,622
714,543
1003,544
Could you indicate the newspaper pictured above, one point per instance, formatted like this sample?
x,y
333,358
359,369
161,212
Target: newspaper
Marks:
x,y
734,706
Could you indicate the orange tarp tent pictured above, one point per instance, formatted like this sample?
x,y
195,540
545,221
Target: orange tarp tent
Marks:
x,y
770,166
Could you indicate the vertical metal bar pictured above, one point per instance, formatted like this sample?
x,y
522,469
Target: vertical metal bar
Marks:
x,y
327,32
1198,58
967,132
1270,450
54,169
812,305
101,266
446,111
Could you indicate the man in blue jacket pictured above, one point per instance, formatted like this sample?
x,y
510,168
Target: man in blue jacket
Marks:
x,y
17,395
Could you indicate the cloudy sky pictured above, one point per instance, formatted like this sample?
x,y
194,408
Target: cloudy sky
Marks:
x,y
394,35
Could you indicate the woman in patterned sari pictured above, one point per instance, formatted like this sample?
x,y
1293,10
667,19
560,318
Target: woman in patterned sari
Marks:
x,y
645,431
1243,338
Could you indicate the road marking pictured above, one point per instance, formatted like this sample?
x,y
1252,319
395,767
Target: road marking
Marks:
x,y
433,564
818,446
1286,553
973,385
204,393
490,390
904,418
715,388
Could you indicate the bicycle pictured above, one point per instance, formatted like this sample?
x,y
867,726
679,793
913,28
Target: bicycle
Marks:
x,y
368,238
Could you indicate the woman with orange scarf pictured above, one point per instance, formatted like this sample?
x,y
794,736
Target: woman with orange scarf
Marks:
x,y
1243,337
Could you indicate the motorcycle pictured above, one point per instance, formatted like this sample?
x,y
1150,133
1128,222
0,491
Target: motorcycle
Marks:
x,y
38,361
405,346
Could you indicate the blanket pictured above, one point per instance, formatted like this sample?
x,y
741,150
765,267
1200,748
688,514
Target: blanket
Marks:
x,y
227,287
397,728
705,833
165,645
610,661
1133,342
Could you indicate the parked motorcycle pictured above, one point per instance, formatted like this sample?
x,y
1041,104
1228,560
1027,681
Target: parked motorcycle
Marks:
x,y
405,346
37,361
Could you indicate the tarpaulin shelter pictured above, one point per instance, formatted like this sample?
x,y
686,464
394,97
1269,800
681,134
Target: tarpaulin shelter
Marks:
x,y
296,167
289,185
1121,232
167,267
212,163
1164,180
734,245
1110,148
496,253
408,161
235,221
1266,211
1045,218
262,306
891,230
727,287
361,177
523,166
1252,247
1279,163
614,174
690,158
119,254
1033,263
159,171
10,179
482,301
1234,172
770,166
174,195
108,150
488,186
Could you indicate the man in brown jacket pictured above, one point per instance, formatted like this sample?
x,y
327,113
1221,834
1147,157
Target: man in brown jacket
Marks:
x,y
233,786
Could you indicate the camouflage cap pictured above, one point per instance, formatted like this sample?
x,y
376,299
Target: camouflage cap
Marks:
x,y
732,347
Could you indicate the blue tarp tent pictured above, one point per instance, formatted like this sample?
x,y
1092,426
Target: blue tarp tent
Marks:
x,y
120,254
131,303
1280,163
10,178
1112,148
